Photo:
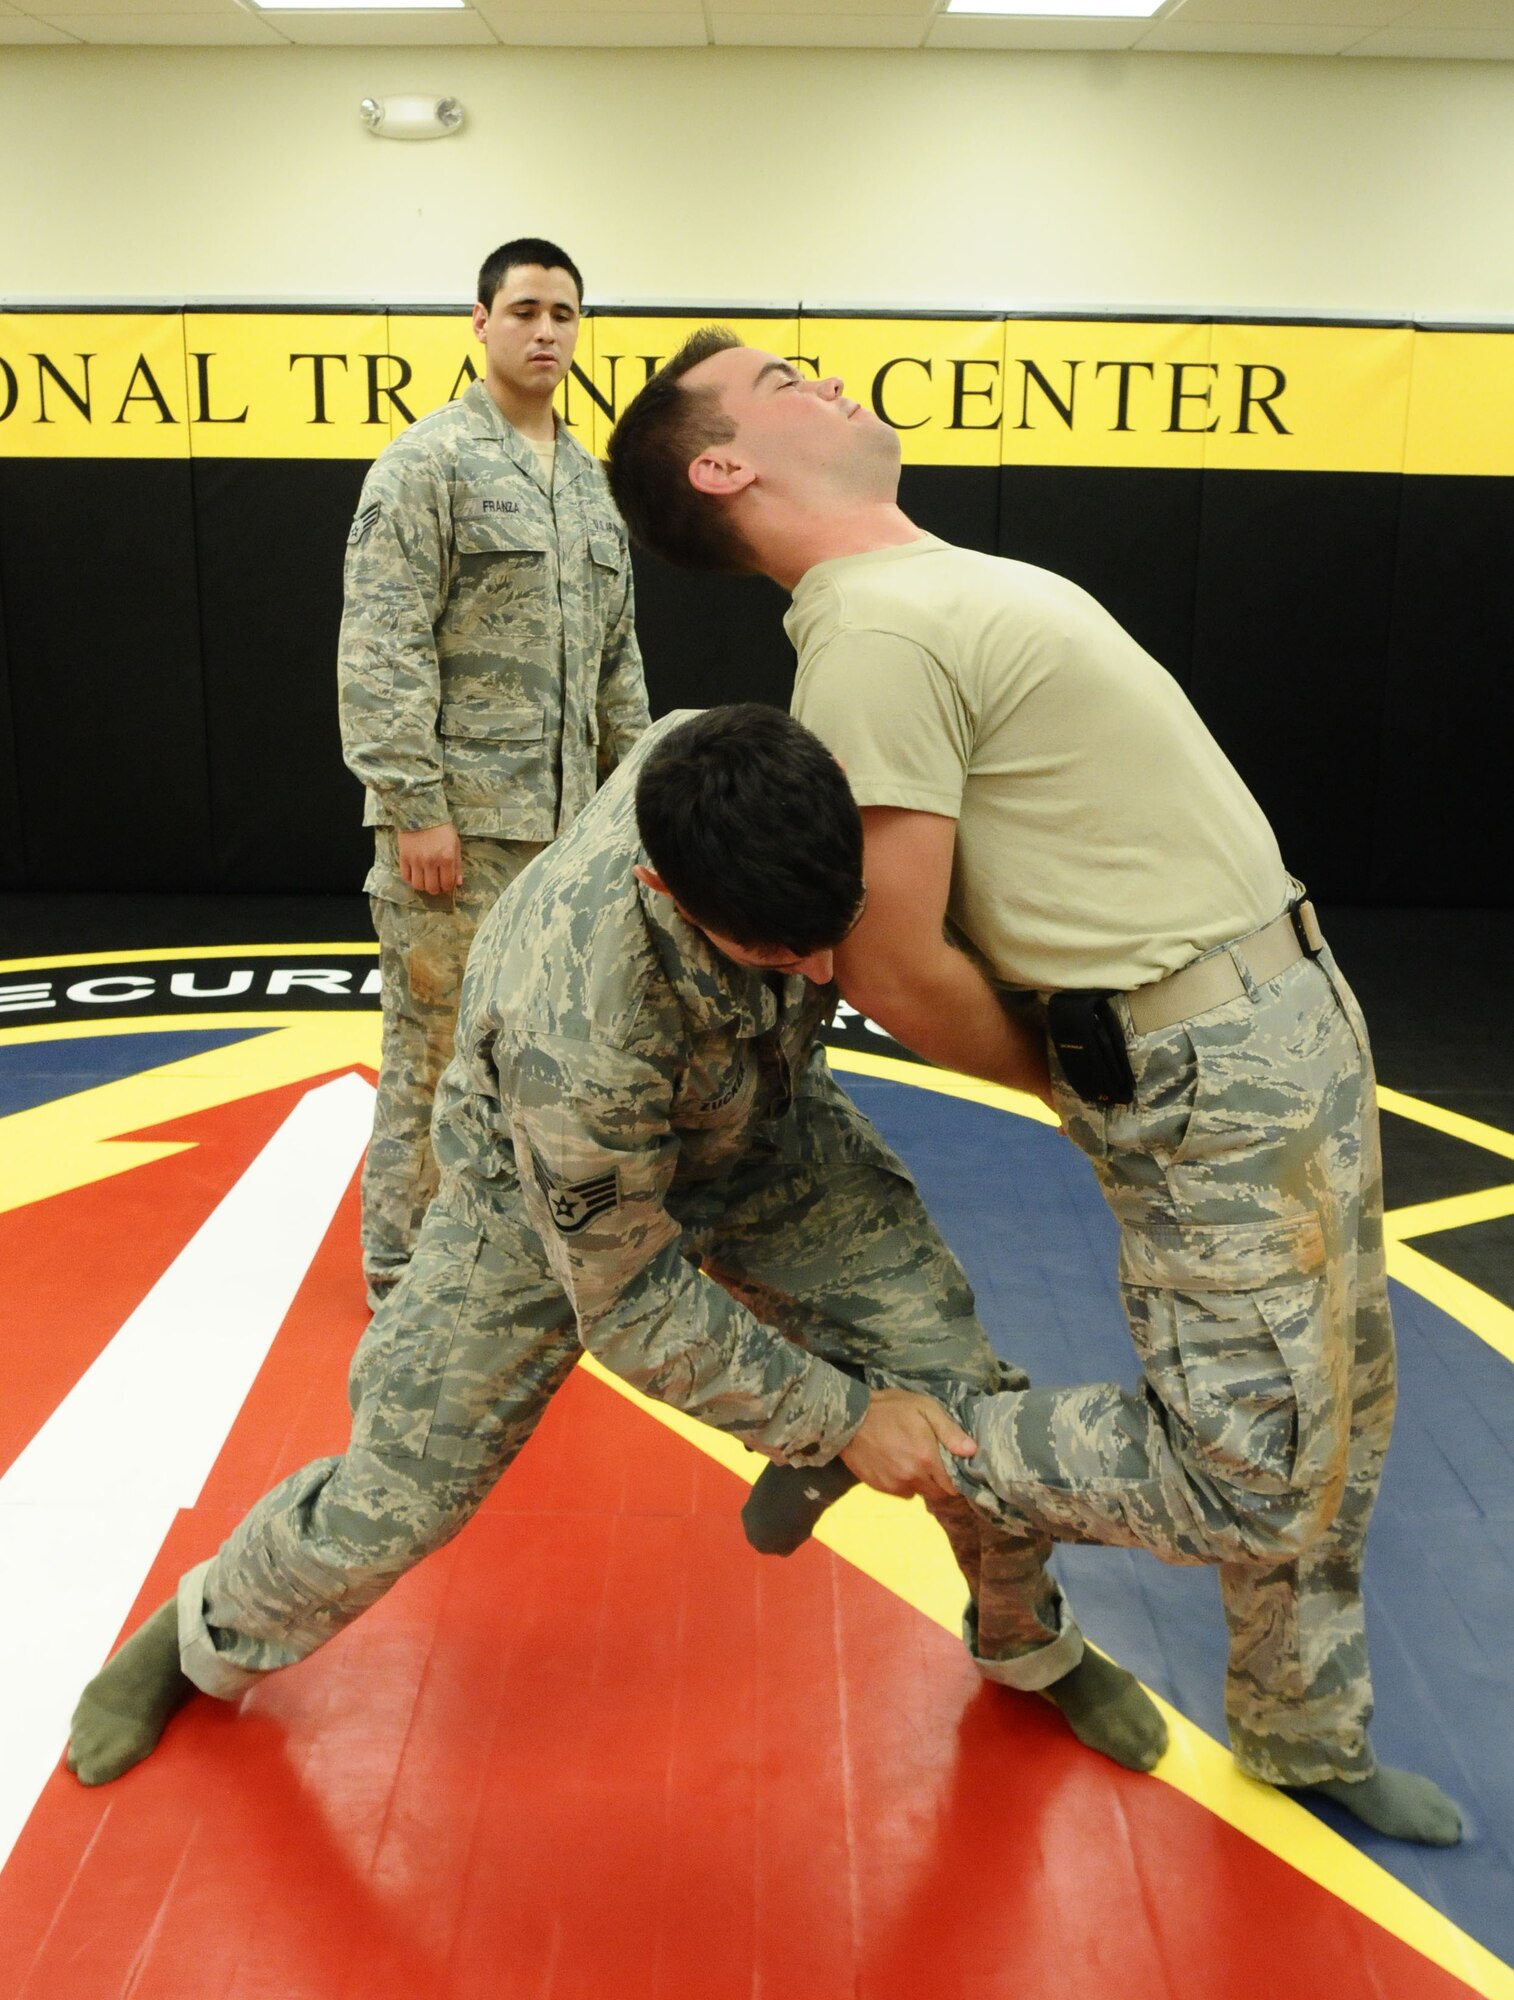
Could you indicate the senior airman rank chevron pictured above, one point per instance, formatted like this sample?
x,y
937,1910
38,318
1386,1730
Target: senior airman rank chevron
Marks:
x,y
572,1204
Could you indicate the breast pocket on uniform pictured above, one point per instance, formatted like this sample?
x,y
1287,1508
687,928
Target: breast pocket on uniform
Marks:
x,y
501,564
607,562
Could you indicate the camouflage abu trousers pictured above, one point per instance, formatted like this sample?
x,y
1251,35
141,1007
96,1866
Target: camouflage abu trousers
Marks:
x,y
1247,1182
423,947
831,1244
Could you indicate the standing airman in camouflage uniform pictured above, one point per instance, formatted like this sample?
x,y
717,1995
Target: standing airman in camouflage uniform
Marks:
x,y
489,680
629,1099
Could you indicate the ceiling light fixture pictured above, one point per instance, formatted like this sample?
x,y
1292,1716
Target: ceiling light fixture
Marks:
x,y
412,117
1062,10
353,6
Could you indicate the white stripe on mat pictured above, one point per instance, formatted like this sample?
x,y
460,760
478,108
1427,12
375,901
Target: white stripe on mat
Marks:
x,y
85,1507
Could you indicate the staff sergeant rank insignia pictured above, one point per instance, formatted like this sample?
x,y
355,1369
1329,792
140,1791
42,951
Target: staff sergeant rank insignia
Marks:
x,y
573,1204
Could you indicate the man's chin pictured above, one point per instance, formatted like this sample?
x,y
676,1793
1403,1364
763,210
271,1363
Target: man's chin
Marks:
x,y
886,452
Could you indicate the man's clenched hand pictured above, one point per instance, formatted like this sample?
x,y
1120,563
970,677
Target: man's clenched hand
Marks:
x,y
432,859
897,1448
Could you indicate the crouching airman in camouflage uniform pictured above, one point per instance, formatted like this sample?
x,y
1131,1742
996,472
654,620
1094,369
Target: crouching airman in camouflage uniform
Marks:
x,y
489,679
636,1090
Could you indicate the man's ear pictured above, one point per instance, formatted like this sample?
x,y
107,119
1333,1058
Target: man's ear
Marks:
x,y
480,318
720,474
650,879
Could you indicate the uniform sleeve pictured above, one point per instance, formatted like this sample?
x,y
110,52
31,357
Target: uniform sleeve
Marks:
x,y
622,696
885,709
596,1156
395,585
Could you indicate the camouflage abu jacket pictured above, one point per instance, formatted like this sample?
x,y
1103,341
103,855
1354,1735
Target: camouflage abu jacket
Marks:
x,y
611,1068
488,666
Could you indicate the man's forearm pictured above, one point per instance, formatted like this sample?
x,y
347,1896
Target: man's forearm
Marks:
x,y
943,1008
679,1336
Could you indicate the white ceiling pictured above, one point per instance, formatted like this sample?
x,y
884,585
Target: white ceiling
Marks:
x,y
1468,29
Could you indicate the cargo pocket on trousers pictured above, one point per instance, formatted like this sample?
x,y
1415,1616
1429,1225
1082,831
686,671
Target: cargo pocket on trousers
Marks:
x,y
1229,1321
400,1405
311,1583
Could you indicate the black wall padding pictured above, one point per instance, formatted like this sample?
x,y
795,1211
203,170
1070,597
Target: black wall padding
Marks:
x,y
1295,584
285,814
707,639
12,860
97,571
1444,829
960,503
1130,537
168,640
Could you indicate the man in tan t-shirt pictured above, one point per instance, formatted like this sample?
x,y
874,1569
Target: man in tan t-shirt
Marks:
x,y
1070,891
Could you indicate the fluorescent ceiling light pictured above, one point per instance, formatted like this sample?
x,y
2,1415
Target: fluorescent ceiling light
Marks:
x,y
354,6
1083,10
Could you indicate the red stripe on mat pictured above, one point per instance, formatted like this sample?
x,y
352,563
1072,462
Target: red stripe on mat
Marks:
x,y
595,1750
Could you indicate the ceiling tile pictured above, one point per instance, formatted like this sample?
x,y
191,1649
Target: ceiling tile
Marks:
x,y
403,30
232,28
1292,13
919,11
1230,38
818,30
1470,44
62,10
1457,14
16,29
571,29
504,10
988,31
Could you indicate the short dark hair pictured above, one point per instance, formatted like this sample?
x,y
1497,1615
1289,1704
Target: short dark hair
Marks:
x,y
664,429
751,824
498,265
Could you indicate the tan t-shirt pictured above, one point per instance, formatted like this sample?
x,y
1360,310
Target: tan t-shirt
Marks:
x,y
1103,838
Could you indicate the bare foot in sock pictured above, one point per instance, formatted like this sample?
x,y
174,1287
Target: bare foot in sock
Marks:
x,y
1110,1711
127,1706
1401,1804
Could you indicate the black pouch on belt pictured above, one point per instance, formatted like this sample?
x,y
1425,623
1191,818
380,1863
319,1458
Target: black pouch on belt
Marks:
x,y
1090,1045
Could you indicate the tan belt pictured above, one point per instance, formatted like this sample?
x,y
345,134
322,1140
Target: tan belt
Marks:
x,y
1210,982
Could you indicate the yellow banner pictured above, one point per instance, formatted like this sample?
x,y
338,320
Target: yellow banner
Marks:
x,y
1461,405
1266,396
93,385
630,347
939,382
1106,392
306,385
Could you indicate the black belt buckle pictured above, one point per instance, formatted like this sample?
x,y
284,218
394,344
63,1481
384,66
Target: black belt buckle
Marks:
x,y
1085,1032
1301,929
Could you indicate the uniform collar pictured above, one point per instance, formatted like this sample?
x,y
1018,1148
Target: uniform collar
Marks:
x,y
491,421
713,991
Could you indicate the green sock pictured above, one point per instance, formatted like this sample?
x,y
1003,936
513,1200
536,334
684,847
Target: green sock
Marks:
x,y
785,1505
1110,1711
1401,1804
126,1707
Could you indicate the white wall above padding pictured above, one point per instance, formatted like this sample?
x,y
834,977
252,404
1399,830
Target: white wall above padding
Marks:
x,y
935,178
